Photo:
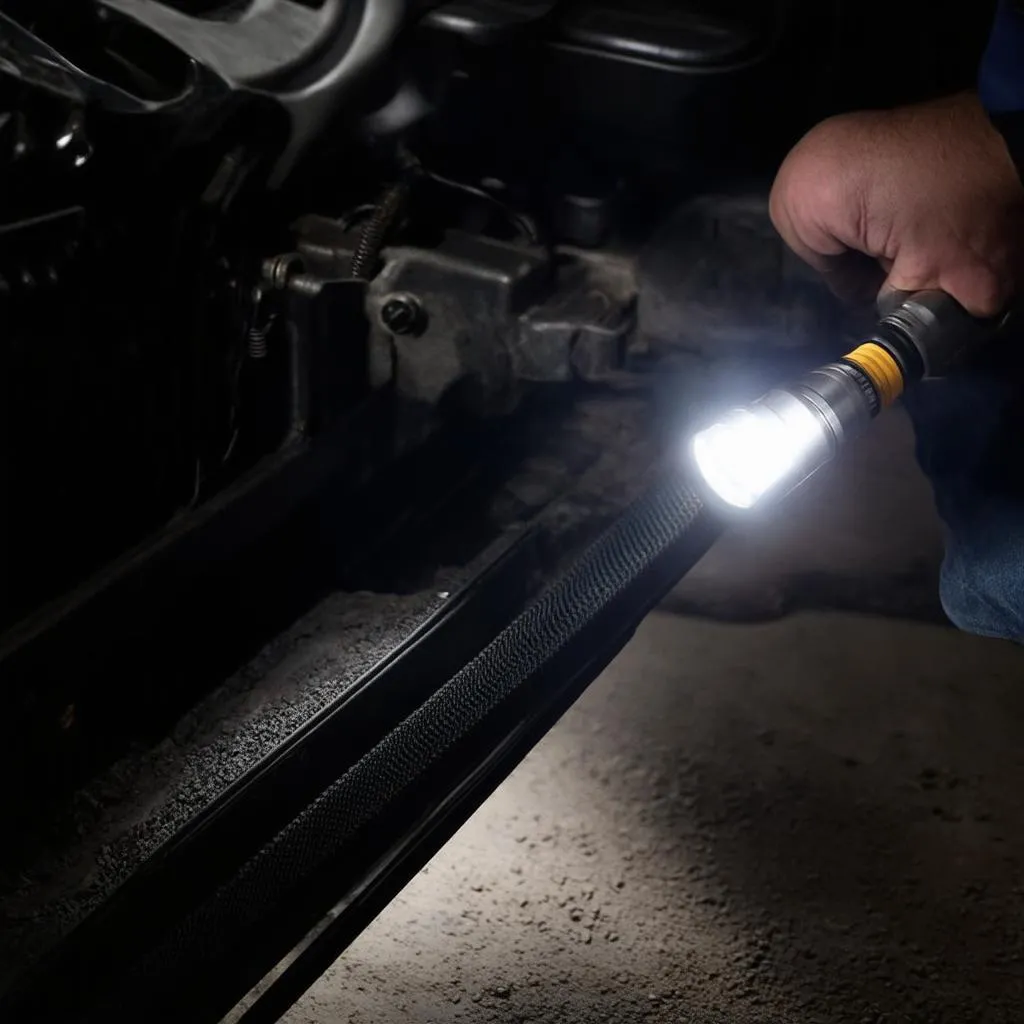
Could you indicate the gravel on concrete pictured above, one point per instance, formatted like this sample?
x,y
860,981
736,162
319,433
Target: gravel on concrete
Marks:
x,y
814,820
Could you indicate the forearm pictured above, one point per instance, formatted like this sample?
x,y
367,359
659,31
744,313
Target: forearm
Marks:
x,y
1001,77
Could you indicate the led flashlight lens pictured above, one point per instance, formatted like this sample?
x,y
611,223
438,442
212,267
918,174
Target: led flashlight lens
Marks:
x,y
769,447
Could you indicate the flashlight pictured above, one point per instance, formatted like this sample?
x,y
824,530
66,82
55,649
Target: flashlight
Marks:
x,y
762,452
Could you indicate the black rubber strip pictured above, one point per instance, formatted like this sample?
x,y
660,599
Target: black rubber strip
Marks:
x,y
625,552
498,747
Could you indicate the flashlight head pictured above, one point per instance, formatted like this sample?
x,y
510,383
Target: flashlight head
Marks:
x,y
763,451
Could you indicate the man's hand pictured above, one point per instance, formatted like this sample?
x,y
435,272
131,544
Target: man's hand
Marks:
x,y
928,191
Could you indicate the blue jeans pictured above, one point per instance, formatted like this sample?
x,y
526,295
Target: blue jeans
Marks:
x,y
970,443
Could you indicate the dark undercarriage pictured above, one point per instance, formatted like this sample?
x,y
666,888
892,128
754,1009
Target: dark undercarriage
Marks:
x,y
394,326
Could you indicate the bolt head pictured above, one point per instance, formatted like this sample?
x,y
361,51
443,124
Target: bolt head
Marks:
x,y
402,314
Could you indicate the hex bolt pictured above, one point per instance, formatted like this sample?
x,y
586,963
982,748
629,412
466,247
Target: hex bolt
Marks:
x,y
402,314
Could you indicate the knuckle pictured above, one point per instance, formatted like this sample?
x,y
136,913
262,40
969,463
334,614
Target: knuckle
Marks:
x,y
821,173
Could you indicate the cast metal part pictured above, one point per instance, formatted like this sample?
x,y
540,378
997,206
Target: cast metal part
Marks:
x,y
497,312
476,311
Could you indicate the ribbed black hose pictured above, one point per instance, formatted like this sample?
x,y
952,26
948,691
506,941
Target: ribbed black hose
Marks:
x,y
633,545
376,230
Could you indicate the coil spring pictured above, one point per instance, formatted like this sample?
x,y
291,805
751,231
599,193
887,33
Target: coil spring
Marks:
x,y
376,230
256,340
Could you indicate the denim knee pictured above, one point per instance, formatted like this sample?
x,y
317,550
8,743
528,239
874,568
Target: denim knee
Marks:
x,y
982,580
970,442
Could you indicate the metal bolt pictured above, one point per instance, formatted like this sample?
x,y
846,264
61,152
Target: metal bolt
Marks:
x,y
402,314
279,271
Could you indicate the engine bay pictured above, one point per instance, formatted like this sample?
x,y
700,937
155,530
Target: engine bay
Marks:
x,y
174,209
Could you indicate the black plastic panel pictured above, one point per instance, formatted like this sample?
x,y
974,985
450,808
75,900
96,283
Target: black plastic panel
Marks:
x,y
486,22
676,36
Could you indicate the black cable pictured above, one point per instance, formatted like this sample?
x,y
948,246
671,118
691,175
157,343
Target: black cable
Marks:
x,y
523,224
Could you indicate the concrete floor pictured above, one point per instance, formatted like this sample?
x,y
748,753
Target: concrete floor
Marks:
x,y
816,818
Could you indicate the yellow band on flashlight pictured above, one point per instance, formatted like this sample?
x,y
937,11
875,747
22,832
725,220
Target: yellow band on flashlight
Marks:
x,y
882,370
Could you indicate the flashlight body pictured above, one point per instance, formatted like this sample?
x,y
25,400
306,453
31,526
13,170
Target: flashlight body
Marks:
x,y
763,452
929,334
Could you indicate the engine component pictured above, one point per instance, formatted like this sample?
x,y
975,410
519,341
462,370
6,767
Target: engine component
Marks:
x,y
493,313
479,313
